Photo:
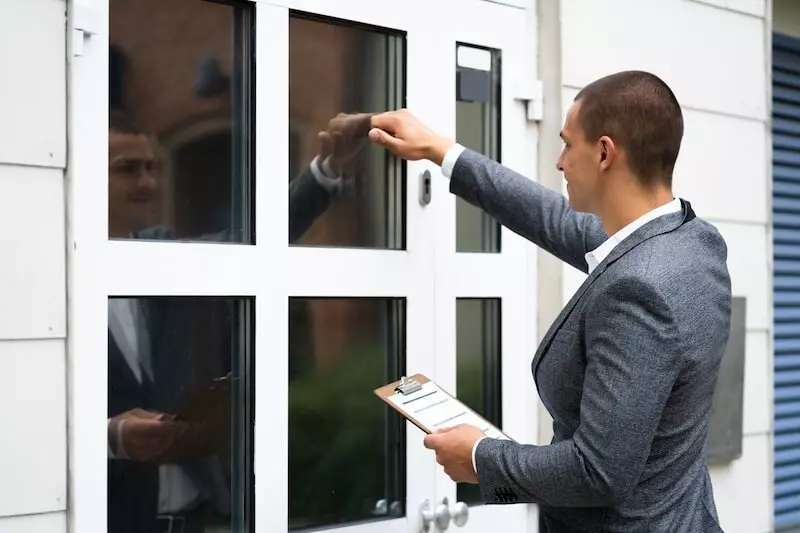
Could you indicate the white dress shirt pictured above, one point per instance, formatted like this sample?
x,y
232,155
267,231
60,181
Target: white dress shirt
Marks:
x,y
593,258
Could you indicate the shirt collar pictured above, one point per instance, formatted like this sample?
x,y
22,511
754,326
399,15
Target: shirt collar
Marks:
x,y
596,256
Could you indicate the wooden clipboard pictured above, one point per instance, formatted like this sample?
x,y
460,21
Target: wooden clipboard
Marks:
x,y
418,386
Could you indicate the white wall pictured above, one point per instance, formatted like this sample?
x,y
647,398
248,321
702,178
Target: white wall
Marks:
x,y
713,53
33,416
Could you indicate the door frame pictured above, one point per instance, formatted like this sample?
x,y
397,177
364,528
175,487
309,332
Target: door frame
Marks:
x,y
99,268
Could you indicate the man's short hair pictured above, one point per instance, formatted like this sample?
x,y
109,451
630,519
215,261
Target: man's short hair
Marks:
x,y
121,122
641,114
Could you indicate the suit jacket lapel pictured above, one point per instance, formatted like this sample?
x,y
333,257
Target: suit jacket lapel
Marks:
x,y
659,226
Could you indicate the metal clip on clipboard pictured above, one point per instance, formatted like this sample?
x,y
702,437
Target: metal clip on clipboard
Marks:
x,y
408,386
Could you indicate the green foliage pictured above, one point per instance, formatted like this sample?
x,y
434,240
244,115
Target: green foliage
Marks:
x,y
337,448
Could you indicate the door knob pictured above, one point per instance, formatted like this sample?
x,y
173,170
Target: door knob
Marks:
x,y
460,514
438,517
442,515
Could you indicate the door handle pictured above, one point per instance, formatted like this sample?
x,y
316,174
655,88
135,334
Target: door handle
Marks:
x,y
460,514
441,516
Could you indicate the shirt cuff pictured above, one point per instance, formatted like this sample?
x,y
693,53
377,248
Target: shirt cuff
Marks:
x,y
120,449
450,158
325,177
475,447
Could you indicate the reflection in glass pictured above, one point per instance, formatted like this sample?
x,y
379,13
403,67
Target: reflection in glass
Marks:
x,y
478,376
180,135
477,128
346,448
180,410
351,195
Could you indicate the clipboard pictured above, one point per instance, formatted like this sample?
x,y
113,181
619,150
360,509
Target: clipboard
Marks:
x,y
206,403
429,407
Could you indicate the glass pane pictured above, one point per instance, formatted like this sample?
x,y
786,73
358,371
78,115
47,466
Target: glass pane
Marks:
x,y
477,128
180,412
344,468
352,193
478,378
180,132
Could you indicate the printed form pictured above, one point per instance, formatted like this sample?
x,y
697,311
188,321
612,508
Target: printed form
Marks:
x,y
434,409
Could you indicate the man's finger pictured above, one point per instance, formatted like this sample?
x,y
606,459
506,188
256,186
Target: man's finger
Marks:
x,y
325,145
384,121
378,136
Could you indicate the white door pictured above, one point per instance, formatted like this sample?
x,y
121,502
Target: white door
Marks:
x,y
188,264
485,274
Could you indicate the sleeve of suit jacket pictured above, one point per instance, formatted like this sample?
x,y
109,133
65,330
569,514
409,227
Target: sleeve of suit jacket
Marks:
x,y
632,349
307,201
527,208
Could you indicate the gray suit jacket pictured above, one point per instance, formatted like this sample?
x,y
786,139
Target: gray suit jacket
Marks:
x,y
627,370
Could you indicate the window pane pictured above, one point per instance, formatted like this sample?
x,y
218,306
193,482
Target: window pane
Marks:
x,y
478,378
346,449
180,410
180,133
357,198
477,128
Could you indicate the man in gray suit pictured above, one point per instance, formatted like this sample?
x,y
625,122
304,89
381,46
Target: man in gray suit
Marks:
x,y
629,367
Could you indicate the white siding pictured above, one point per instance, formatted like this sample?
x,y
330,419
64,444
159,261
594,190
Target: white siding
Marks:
x,y
33,447
721,70
40,523
33,450
713,54
33,93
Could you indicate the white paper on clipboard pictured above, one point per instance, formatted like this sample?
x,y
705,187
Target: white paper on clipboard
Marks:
x,y
435,409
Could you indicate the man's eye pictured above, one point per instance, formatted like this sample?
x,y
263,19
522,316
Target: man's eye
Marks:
x,y
128,167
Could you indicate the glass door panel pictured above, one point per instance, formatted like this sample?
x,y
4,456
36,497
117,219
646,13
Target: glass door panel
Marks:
x,y
356,274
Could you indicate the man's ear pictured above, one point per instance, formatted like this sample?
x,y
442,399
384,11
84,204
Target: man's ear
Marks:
x,y
608,151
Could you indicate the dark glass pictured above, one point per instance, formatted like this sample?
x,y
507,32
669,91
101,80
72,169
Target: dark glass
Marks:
x,y
343,68
180,410
478,128
346,447
181,112
478,378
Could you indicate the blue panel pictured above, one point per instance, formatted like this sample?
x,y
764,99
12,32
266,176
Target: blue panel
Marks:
x,y
783,110
787,472
781,125
787,316
791,440
786,283
787,488
787,189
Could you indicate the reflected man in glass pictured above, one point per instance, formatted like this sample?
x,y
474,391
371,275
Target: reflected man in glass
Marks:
x,y
134,187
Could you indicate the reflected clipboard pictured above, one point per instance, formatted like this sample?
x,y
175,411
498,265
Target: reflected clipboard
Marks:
x,y
429,407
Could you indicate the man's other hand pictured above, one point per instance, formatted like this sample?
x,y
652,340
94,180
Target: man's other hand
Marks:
x,y
453,447
406,137
145,436
343,140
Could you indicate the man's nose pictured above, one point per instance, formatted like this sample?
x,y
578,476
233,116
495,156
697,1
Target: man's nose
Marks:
x,y
147,180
